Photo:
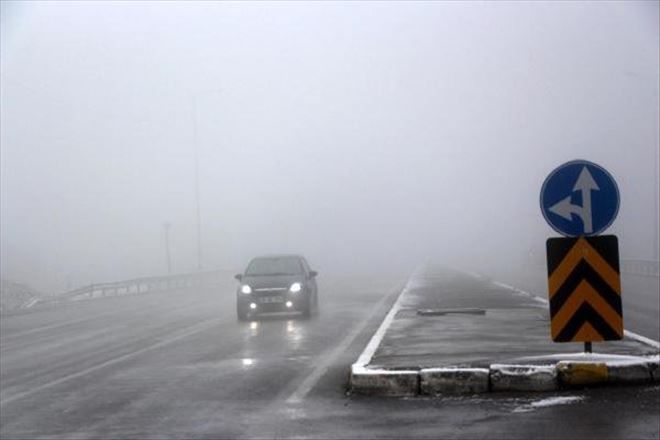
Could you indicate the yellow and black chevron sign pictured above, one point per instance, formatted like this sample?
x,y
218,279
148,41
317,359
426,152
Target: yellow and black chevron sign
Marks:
x,y
585,289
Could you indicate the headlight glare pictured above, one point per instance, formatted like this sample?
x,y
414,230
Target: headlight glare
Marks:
x,y
295,287
246,289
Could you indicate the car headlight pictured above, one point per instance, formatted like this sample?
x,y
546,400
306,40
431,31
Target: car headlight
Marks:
x,y
295,287
246,289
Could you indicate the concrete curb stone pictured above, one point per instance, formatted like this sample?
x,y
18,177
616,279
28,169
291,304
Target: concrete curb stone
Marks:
x,y
579,374
632,373
384,382
523,377
500,377
434,381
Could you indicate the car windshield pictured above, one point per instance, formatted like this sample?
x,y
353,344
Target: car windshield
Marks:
x,y
274,266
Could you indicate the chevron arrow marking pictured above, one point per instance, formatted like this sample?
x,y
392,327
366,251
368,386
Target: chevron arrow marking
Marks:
x,y
587,333
586,314
582,250
584,289
585,293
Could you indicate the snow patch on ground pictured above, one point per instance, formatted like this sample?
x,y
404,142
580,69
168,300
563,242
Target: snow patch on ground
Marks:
x,y
31,303
520,369
16,296
550,401
358,370
610,359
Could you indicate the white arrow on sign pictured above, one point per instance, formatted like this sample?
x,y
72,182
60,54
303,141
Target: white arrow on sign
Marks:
x,y
585,183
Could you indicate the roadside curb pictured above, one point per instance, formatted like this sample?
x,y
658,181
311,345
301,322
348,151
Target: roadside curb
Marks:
x,y
579,374
434,381
575,374
502,377
523,377
378,382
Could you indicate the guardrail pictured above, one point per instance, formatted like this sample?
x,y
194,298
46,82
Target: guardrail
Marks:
x,y
648,268
139,285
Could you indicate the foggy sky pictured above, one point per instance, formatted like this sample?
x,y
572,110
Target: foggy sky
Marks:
x,y
364,135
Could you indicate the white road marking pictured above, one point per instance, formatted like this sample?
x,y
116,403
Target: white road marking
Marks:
x,y
533,297
43,328
467,272
369,351
326,360
642,339
197,328
373,344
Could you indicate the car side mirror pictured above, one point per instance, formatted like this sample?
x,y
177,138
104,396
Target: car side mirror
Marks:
x,y
313,273
238,276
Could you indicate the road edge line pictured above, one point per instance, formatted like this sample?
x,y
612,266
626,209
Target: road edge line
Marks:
x,y
366,355
380,381
313,378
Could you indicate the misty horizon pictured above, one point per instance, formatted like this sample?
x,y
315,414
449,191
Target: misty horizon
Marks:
x,y
366,136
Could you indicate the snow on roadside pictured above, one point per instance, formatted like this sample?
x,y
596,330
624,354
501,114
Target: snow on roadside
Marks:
x,y
610,359
14,296
550,401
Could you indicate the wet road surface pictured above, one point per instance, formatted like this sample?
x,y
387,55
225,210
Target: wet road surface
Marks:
x,y
178,364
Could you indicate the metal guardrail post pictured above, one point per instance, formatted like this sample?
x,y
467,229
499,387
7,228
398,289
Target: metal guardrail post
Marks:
x,y
641,267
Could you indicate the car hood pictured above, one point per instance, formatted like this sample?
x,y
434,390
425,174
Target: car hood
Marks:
x,y
271,281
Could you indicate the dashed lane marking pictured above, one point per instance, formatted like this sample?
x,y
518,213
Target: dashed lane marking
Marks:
x,y
19,334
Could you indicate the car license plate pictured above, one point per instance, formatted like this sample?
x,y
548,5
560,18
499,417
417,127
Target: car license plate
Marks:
x,y
271,299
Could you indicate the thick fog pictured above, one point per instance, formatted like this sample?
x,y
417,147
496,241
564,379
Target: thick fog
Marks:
x,y
367,136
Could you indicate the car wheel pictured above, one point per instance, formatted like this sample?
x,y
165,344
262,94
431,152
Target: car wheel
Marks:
x,y
307,310
241,314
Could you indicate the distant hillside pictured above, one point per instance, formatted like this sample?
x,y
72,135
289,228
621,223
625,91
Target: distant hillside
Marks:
x,y
14,296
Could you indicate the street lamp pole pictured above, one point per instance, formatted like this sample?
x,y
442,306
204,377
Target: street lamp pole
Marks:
x,y
656,211
197,208
194,99
166,227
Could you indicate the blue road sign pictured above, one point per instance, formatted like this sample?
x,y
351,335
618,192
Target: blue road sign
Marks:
x,y
579,198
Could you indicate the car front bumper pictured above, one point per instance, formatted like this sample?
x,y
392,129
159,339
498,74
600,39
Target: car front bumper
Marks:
x,y
254,304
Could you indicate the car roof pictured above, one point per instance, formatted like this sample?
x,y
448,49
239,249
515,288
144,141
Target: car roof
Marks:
x,y
300,257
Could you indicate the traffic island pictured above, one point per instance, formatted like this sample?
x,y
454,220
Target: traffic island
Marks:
x,y
504,347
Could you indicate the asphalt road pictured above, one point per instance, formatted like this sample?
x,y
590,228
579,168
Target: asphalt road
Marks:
x,y
178,364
